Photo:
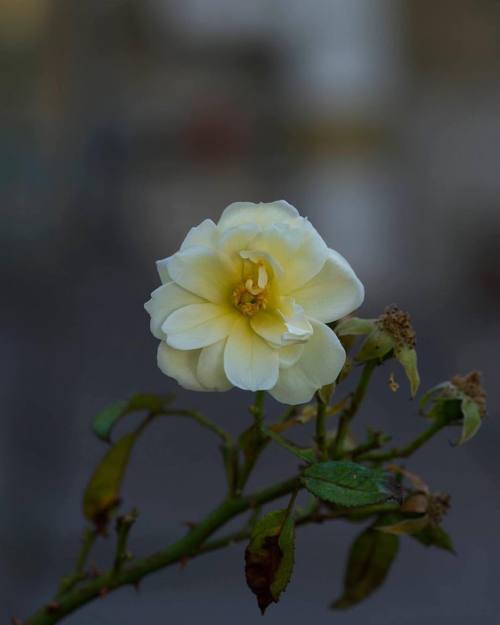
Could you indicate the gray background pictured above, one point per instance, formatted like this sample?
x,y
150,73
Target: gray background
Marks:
x,y
124,123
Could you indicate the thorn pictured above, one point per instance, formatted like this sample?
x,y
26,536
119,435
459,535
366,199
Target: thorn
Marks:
x,y
253,504
103,592
137,585
53,607
16,621
183,562
94,571
190,524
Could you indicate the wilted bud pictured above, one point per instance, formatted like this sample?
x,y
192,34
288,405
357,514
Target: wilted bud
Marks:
x,y
390,334
461,401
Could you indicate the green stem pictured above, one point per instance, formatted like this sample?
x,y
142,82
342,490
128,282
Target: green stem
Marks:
x,y
350,412
123,527
258,408
67,583
203,421
188,546
408,450
321,430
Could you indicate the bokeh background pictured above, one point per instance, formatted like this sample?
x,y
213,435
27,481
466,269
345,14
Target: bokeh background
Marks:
x,y
126,122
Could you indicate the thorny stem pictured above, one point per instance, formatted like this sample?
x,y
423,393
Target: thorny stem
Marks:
x,y
349,413
123,526
408,450
77,590
88,539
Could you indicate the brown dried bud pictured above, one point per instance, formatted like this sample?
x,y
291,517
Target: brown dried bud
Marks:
x,y
470,385
439,505
398,324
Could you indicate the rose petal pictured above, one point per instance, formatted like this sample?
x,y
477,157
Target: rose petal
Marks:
x,y
249,362
198,325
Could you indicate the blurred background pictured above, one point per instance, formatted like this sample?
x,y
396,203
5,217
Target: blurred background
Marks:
x,y
126,122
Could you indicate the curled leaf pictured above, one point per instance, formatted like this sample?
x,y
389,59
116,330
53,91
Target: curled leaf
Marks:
x,y
104,422
269,557
369,562
471,420
407,357
347,483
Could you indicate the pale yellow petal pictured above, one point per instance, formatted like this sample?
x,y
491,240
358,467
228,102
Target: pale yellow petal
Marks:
x,y
320,363
262,214
249,362
205,273
205,234
180,365
298,249
164,301
333,293
270,326
210,369
198,325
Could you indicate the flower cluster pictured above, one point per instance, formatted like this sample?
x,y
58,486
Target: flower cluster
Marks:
x,y
246,303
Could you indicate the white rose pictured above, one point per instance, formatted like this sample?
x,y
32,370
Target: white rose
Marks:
x,y
244,303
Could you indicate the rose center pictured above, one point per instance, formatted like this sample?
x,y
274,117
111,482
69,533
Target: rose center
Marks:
x,y
251,296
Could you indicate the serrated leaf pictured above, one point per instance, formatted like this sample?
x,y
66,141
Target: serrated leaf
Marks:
x,y
305,454
104,422
369,562
347,483
471,420
269,557
354,326
407,357
405,526
101,495
435,537
376,345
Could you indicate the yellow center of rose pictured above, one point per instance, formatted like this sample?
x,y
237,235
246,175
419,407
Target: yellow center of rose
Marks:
x,y
252,295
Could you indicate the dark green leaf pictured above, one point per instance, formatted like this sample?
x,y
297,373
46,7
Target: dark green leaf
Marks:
x,y
104,422
471,419
435,537
307,455
347,483
370,559
269,557
407,357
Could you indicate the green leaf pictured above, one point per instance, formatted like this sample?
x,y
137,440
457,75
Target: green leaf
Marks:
x,y
105,421
369,562
269,557
405,526
305,454
407,357
354,326
347,483
435,537
376,345
102,493
471,419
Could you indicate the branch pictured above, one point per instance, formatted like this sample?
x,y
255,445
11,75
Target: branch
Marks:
x,y
78,574
349,413
404,452
188,546
203,421
321,430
